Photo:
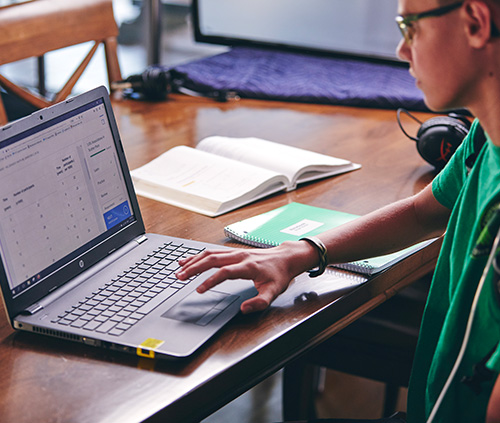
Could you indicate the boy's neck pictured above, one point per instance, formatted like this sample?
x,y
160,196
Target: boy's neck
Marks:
x,y
486,104
488,114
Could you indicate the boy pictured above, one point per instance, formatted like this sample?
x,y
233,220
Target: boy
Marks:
x,y
454,55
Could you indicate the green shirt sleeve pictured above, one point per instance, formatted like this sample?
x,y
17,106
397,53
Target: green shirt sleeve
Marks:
x,y
494,361
448,183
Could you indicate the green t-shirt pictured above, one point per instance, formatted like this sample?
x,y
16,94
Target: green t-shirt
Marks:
x,y
472,199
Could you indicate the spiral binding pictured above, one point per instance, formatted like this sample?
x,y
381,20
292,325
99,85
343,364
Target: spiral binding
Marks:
x,y
358,267
250,240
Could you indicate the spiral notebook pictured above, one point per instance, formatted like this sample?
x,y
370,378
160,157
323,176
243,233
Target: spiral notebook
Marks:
x,y
296,220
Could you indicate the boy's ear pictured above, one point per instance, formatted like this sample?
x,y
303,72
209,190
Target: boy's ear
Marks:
x,y
478,21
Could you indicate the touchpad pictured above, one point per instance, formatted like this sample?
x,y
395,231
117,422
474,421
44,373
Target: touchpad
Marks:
x,y
200,309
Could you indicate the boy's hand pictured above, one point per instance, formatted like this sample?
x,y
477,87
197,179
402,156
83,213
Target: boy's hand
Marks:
x,y
271,270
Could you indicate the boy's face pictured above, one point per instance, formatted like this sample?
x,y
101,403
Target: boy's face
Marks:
x,y
436,55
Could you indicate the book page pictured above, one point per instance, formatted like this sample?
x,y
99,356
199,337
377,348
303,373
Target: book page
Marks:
x,y
280,158
197,174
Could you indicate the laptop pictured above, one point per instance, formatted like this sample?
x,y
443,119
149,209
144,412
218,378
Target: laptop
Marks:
x,y
76,262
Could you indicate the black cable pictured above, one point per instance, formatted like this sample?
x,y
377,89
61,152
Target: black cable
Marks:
x,y
401,110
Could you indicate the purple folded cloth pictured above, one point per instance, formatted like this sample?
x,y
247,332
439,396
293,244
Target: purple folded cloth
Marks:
x,y
300,77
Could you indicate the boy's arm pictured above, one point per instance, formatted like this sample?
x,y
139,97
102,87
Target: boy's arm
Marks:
x,y
386,230
493,412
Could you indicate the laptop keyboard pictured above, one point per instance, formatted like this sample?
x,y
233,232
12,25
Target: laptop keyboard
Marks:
x,y
122,302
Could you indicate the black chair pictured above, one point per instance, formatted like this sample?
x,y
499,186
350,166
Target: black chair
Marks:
x,y
378,346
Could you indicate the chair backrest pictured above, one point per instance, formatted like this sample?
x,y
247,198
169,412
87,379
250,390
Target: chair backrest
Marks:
x,y
35,28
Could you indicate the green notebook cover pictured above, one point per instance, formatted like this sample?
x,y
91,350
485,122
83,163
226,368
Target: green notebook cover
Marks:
x,y
295,221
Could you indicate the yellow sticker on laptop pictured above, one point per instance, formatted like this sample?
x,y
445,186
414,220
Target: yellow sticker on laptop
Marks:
x,y
146,349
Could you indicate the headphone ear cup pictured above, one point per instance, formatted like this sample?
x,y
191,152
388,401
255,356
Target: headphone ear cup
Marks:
x,y
439,137
155,84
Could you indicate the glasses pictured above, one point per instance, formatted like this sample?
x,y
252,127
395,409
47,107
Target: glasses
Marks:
x,y
405,23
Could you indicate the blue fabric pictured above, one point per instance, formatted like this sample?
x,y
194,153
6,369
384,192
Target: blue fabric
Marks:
x,y
289,76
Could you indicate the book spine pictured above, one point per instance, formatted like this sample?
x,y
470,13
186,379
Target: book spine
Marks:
x,y
250,240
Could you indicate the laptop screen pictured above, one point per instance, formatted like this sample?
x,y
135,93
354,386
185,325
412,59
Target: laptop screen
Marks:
x,y
363,28
62,191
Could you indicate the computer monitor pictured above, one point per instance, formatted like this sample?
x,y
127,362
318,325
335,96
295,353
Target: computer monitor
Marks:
x,y
346,27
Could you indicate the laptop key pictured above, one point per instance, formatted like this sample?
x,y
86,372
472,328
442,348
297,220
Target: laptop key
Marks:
x,y
78,323
136,316
106,326
87,317
92,325
100,318
124,326
151,261
116,331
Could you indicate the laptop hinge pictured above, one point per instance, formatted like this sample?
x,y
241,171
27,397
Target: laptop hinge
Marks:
x,y
32,309
141,239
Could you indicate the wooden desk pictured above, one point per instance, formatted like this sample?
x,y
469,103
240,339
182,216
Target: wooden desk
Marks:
x,y
51,380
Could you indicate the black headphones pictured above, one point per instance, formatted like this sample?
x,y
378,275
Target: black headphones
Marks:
x,y
156,83
439,137
153,84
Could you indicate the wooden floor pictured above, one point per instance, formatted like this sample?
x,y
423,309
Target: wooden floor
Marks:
x,y
343,396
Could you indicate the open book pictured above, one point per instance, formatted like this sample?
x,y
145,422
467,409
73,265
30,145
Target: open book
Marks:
x,y
222,174
296,220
